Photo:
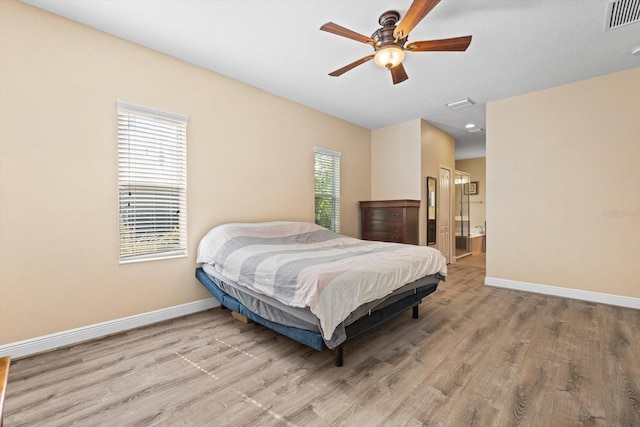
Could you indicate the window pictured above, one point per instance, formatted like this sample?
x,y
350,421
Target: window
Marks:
x,y
327,188
152,183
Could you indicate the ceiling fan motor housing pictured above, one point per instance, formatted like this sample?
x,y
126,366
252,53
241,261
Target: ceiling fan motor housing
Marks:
x,y
384,35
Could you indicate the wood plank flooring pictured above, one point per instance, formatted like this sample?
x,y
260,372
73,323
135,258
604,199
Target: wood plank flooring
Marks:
x,y
478,356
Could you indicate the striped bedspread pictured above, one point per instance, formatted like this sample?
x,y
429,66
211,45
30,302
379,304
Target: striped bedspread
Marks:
x,y
305,265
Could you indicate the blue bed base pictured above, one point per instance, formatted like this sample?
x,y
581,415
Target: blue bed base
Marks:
x,y
314,339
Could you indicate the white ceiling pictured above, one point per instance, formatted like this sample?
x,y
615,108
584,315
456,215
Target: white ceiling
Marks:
x,y
518,46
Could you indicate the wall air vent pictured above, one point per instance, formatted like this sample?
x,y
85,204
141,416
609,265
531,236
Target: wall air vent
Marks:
x,y
622,12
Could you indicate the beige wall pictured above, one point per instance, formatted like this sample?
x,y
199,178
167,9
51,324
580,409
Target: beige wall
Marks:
x,y
250,158
477,203
402,156
438,148
395,162
563,200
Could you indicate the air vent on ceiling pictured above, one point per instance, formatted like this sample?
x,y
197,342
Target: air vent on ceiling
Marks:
x,y
456,105
622,12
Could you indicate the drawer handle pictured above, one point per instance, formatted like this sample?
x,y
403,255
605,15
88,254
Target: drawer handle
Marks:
x,y
395,214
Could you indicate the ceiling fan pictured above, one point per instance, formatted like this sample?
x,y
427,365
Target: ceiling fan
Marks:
x,y
389,41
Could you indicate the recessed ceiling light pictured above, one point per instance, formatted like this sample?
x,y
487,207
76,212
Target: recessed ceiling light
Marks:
x,y
470,125
475,130
635,50
455,105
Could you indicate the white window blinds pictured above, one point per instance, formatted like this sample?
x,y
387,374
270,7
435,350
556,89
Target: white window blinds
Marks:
x,y
152,183
327,188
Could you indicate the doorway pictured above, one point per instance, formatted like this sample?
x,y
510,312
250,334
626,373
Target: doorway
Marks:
x,y
444,212
461,213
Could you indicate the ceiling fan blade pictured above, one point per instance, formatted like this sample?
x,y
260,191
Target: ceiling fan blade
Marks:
x,y
398,74
351,66
456,44
418,10
330,27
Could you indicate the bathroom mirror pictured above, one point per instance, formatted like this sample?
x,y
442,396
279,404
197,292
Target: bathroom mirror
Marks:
x,y
431,210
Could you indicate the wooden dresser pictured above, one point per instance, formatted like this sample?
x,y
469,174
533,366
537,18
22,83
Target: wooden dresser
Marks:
x,y
390,221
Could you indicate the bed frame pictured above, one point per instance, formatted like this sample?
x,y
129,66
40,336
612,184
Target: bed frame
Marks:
x,y
314,339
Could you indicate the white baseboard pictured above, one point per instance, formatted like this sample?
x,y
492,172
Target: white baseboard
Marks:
x,y
557,291
73,336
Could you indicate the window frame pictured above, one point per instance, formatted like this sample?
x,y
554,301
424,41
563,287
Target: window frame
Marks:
x,y
332,159
152,183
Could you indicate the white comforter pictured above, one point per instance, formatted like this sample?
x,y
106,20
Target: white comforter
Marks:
x,y
305,265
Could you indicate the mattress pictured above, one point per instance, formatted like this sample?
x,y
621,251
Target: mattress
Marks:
x,y
302,318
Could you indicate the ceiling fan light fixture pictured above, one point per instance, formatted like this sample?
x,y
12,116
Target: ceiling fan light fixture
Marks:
x,y
389,56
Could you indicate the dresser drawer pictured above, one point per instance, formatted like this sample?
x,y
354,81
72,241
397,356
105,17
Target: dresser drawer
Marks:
x,y
381,214
382,236
388,226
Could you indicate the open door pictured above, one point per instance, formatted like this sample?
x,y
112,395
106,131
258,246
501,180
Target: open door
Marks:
x,y
444,212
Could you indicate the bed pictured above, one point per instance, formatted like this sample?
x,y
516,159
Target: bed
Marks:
x,y
310,284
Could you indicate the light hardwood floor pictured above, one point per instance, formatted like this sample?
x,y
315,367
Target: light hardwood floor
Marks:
x,y
478,356
474,260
